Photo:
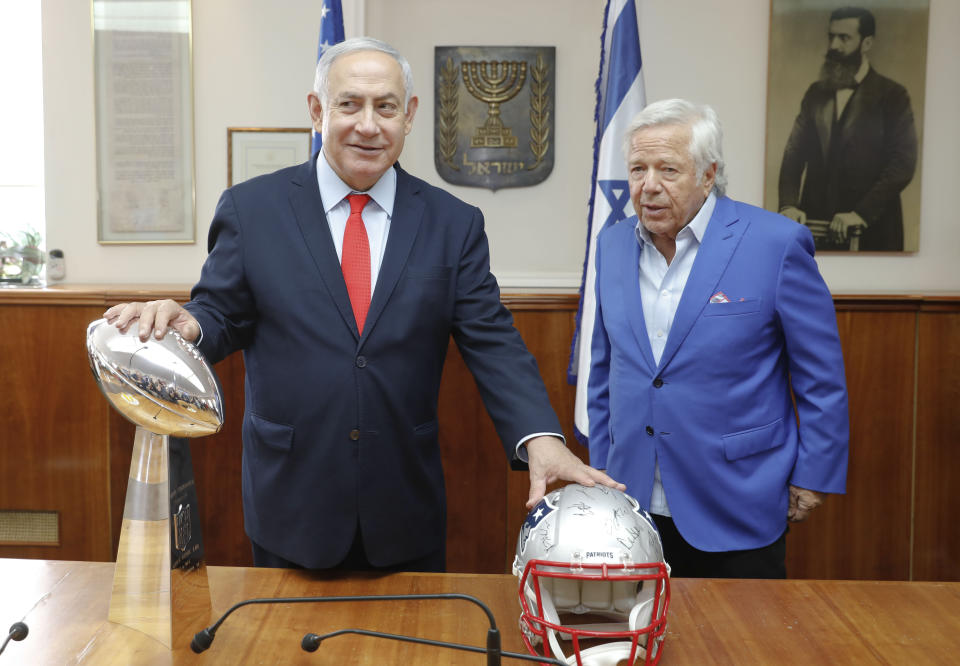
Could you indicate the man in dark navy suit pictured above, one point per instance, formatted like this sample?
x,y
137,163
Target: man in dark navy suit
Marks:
x,y
853,145
342,280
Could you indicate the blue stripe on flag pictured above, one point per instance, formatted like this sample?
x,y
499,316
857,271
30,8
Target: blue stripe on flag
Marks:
x,y
620,96
625,61
331,32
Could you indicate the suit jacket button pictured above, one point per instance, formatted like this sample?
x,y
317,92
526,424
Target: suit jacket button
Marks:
x,y
650,430
657,383
355,434
361,361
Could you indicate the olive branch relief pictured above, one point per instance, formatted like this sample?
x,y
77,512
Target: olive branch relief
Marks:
x,y
449,99
539,112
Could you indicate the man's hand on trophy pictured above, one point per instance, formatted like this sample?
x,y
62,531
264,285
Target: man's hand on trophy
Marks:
x,y
154,316
794,214
844,225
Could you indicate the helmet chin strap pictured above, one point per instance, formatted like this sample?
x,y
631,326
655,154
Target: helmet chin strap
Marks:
x,y
608,654
640,615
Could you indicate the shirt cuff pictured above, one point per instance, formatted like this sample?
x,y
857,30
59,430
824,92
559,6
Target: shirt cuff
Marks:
x,y
521,449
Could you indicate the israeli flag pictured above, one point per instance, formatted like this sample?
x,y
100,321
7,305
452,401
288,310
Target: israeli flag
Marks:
x,y
331,32
620,96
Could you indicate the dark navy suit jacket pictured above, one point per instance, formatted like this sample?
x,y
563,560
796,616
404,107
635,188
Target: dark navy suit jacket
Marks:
x,y
340,428
717,411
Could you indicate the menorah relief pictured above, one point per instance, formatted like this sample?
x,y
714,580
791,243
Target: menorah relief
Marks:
x,y
495,128
494,83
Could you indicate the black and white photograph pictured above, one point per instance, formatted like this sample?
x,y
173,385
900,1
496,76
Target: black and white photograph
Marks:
x,y
844,120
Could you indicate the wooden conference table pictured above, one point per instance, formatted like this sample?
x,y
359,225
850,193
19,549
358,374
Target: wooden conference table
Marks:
x,y
710,621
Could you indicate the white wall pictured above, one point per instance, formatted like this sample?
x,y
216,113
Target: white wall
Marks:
x,y
253,64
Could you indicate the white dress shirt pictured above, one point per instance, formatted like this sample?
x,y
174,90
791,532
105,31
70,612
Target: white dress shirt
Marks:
x,y
661,286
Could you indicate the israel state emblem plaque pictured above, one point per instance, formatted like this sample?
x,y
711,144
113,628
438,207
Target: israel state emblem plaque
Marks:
x,y
493,114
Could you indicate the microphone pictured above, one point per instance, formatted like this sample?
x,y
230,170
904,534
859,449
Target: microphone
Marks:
x,y
18,632
204,638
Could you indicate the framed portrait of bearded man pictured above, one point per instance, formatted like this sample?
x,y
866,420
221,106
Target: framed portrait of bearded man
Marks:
x,y
845,100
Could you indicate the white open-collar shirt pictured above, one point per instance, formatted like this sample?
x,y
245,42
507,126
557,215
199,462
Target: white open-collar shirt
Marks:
x,y
661,287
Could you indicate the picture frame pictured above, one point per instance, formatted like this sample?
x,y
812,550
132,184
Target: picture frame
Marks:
x,y
834,147
143,86
254,151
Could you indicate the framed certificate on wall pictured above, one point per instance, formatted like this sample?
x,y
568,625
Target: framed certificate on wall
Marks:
x,y
254,151
144,121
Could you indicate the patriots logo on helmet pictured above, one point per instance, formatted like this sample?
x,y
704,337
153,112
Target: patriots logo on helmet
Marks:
x,y
536,516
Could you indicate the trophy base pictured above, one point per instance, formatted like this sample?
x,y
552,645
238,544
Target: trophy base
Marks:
x,y
160,585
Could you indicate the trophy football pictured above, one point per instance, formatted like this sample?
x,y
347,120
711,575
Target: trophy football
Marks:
x,y
169,391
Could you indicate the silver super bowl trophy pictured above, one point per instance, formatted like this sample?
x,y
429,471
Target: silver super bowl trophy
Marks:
x,y
167,389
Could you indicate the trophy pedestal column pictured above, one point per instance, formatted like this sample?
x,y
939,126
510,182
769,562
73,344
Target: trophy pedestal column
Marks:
x,y
160,584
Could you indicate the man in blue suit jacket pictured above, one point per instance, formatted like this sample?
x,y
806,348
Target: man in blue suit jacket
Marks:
x,y
709,311
341,462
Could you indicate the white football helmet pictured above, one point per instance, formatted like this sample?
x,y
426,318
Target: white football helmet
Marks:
x,y
592,576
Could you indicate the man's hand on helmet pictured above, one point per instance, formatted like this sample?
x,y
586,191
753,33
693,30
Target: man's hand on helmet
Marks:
x,y
551,460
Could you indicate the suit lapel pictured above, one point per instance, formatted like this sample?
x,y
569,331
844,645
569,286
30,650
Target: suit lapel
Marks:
x,y
404,224
722,237
308,211
628,259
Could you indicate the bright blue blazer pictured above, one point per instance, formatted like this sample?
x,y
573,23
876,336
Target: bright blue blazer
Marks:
x,y
339,428
717,410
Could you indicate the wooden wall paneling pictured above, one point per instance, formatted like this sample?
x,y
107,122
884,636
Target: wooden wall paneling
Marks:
x,y
937,506
475,468
119,435
217,474
53,453
864,534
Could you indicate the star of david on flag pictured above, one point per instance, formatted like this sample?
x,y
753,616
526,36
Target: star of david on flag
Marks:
x,y
331,32
620,96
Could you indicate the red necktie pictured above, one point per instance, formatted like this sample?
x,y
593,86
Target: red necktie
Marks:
x,y
355,260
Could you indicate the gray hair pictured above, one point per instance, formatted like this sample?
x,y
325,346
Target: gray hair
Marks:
x,y
706,136
353,45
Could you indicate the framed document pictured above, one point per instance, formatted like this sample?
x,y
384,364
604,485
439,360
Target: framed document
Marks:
x,y
254,151
144,121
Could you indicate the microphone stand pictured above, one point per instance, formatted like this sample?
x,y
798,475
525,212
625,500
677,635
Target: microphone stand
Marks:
x,y
311,642
204,638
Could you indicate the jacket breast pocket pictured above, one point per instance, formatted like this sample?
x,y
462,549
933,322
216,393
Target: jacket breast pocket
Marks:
x,y
741,307
429,280
429,272
745,443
